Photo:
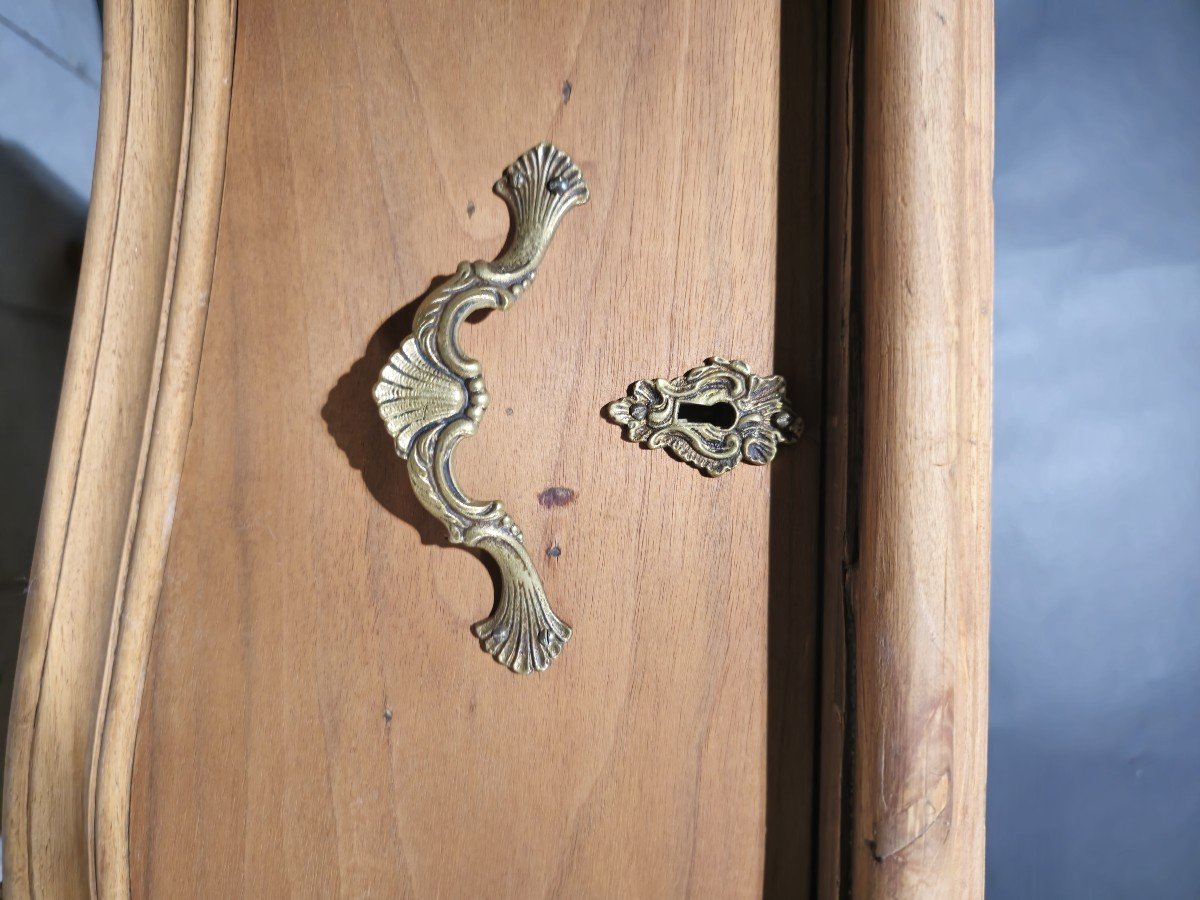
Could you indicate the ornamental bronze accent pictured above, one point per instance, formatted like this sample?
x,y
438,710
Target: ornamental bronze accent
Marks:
x,y
431,396
712,417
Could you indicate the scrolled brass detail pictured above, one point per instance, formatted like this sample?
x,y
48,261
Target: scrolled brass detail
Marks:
x,y
653,414
431,395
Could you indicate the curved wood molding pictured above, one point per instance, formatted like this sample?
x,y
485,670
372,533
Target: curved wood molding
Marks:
x,y
119,443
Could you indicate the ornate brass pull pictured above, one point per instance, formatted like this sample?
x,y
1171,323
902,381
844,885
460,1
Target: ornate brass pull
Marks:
x,y
430,396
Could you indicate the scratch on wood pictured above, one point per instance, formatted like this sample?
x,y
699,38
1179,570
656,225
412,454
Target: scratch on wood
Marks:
x,y
910,824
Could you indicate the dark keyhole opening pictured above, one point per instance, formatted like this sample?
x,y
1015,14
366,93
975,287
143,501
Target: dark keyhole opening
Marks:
x,y
722,414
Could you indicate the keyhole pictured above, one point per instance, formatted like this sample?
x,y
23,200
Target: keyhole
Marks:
x,y
722,414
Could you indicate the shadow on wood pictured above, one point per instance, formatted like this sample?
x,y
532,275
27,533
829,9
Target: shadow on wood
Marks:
x,y
353,421
793,661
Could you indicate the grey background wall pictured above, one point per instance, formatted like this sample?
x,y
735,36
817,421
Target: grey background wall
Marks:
x,y
1095,716
1094,768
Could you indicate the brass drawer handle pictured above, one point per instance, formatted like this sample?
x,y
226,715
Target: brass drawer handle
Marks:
x,y
431,396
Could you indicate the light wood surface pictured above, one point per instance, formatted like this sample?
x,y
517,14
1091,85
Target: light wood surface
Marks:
x,y
904,726
318,719
118,443
246,668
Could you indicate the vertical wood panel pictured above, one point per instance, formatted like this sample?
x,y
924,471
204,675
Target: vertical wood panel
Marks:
x,y
318,719
906,624
95,465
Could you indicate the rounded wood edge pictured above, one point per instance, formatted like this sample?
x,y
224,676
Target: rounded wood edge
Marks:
x,y
93,853
919,588
212,45
212,48
908,452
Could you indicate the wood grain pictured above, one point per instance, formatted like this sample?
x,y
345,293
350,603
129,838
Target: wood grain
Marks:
x,y
317,718
141,303
909,448
211,34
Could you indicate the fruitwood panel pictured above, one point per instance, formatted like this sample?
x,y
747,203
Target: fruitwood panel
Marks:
x,y
317,717
908,475
921,585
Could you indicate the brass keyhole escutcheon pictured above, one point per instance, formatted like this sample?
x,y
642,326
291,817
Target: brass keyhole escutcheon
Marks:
x,y
712,417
